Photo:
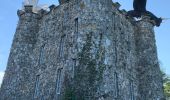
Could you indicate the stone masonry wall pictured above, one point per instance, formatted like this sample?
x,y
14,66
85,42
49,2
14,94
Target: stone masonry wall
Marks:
x,y
150,77
17,82
82,50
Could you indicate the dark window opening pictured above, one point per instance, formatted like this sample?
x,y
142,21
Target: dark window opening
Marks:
x,y
73,66
41,56
113,21
116,85
58,81
37,85
76,28
61,47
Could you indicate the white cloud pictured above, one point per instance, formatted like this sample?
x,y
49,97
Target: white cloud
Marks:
x,y
1,77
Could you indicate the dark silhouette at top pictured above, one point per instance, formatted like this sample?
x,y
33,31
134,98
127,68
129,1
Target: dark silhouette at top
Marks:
x,y
140,9
139,5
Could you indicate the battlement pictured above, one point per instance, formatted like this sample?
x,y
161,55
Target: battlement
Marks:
x,y
28,8
65,3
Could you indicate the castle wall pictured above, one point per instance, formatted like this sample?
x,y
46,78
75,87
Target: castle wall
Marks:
x,y
82,50
150,77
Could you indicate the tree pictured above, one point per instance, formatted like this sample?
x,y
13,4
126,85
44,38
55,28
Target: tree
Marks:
x,y
166,84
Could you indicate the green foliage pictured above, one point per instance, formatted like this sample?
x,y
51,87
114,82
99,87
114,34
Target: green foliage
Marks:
x,y
69,89
167,89
85,74
166,78
166,82
69,94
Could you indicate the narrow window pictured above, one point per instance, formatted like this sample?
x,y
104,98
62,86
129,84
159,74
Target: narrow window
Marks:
x,y
58,81
61,48
113,21
62,25
73,66
76,28
41,56
131,89
37,84
116,87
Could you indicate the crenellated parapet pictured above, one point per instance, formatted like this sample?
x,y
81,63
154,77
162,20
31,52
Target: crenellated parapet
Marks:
x,y
63,1
28,12
28,8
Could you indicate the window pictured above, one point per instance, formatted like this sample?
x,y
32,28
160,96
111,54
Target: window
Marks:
x,y
37,84
61,48
113,21
58,81
76,28
116,85
131,89
73,66
41,56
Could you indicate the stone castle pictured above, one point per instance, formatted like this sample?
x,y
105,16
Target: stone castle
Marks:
x,y
82,50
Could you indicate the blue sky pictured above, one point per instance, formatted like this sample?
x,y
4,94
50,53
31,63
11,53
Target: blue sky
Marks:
x,y
9,19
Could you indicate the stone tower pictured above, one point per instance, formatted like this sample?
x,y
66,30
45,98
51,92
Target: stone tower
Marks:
x,y
82,50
